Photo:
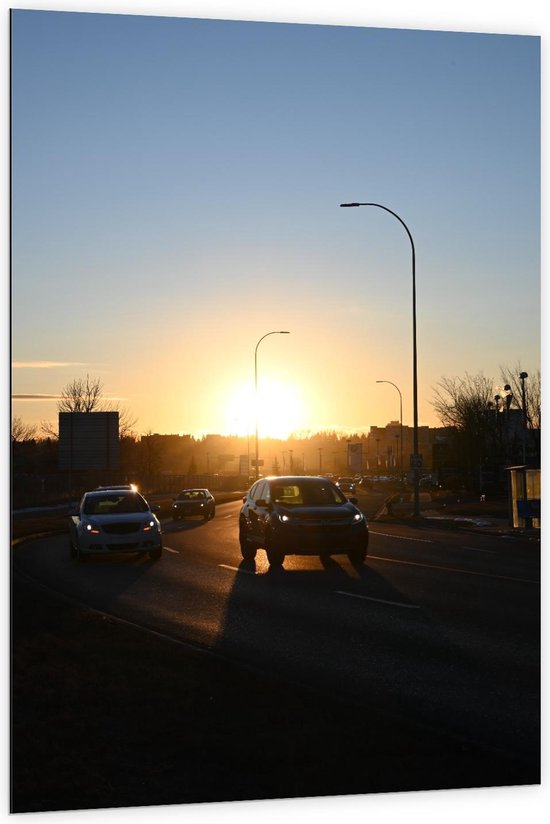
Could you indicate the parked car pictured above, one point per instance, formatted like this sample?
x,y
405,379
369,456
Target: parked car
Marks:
x,y
110,521
347,485
194,502
296,515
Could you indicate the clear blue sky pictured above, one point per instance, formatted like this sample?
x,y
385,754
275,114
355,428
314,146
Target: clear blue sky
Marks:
x,y
175,196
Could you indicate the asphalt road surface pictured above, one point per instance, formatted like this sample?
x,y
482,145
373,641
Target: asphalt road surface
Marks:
x,y
438,627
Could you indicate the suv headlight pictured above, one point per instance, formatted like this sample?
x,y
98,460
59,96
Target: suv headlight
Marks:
x,y
91,528
358,517
149,525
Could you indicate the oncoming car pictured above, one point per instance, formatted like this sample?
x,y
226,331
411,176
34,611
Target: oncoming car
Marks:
x,y
295,515
112,521
346,485
194,502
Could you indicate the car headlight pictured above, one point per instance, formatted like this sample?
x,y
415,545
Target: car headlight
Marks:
x,y
358,517
284,519
148,526
91,528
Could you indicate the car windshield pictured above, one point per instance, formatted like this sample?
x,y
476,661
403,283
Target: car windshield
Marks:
x,y
114,504
191,495
307,494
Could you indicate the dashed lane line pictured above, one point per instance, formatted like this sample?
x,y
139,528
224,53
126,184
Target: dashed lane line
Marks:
x,y
454,569
377,600
236,569
402,537
169,549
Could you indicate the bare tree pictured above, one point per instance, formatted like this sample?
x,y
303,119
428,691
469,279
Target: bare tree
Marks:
x,y
126,421
463,402
87,396
82,396
48,430
22,431
511,378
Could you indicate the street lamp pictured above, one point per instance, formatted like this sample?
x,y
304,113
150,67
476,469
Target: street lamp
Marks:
x,y
256,388
522,377
400,425
416,456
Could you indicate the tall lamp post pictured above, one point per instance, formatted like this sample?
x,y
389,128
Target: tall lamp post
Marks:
x,y
256,388
522,377
416,456
400,425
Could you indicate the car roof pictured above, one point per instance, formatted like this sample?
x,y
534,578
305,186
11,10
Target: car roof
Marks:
x,y
112,490
290,479
130,487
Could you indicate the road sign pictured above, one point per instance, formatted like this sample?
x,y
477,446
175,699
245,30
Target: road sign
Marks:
x,y
416,461
254,462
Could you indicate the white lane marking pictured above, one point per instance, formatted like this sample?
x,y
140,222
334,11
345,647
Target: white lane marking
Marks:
x,y
169,549
476,549
454,569
236,569
378,600
401,537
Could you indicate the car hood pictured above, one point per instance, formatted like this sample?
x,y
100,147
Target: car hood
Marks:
x,y
191,503
317,513
120,518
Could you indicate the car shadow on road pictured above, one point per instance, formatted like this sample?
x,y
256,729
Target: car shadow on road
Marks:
x,y
332,574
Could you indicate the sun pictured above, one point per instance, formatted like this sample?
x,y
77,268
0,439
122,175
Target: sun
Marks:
x,y
280,410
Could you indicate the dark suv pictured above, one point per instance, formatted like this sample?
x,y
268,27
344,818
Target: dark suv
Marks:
x,y
295,515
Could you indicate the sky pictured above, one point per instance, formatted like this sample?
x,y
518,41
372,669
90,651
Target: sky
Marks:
x,y
175,197
127,155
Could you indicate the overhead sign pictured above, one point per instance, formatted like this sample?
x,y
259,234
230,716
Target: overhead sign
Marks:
x,y
88,440
355,457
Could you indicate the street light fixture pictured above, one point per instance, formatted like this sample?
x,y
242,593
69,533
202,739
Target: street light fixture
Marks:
x,y
256,388
416,456
400,425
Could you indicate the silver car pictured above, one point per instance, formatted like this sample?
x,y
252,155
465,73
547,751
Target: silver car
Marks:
x,y
112,521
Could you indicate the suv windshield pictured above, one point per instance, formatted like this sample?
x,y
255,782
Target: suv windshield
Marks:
x,y
192,495
307,494
114,504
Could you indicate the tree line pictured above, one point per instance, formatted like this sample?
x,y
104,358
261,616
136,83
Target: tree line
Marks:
x,y
492,423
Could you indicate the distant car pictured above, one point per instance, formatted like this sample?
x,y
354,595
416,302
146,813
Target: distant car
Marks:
x,y
347,485
110,521
194,502
131,487
296,515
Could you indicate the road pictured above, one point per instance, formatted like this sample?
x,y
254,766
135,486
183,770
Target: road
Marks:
x,y
439,627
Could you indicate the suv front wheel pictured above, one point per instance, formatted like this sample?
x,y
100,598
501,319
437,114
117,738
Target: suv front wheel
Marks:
x,y
248,551
276,557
